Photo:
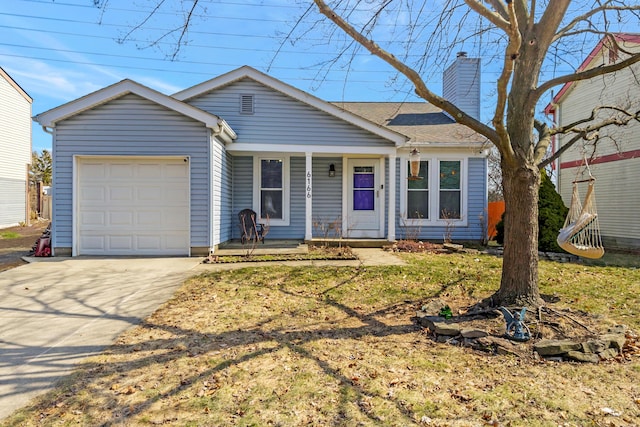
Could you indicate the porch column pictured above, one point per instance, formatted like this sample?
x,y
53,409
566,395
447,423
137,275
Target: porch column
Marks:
x,y
391,226
308,223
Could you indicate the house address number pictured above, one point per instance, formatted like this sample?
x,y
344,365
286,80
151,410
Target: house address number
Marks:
x,y
308,184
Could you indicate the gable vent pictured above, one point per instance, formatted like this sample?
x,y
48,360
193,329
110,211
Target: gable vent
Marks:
x,y
246,104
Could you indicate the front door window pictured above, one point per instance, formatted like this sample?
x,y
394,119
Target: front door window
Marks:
x,y
363,188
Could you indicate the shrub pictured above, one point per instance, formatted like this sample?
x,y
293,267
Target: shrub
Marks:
x,y
551,215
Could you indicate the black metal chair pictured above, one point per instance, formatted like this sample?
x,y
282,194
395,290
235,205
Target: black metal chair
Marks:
x,y
250,229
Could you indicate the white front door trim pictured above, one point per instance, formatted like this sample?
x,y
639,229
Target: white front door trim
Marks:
x,y
373,226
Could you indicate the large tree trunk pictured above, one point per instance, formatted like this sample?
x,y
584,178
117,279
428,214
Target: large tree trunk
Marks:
x,y
519,285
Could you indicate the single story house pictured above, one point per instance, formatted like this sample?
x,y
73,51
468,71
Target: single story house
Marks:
x,y
615,159
15,151
137,172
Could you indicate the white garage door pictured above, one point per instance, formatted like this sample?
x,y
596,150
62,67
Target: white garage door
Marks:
x,y
133,207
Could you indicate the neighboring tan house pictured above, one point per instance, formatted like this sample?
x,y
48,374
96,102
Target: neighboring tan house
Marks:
x,y
15,152
138,172
615,161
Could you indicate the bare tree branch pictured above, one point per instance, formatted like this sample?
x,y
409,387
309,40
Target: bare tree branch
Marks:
x,y
585,75
495,18
589,133
421,88
590,13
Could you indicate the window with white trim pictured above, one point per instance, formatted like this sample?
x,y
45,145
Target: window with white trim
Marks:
x,y
418,192
271,192
450,189
436,196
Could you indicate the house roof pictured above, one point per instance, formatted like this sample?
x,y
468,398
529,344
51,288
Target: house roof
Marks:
x,y
295,93
16,86
589,62
124,87
421,122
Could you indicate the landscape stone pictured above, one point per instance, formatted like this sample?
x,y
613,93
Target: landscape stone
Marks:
x,y
616,341
429,321
453,247
448,329
473,333
433,307
595,346
617,329
556,347
609,353
583,357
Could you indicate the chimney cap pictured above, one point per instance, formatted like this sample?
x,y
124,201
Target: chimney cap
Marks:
x,y
461,54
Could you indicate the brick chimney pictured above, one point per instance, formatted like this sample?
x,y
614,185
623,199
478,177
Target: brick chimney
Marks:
x,y
461,84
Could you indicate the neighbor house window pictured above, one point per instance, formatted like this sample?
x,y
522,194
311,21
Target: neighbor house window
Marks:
x,y
271,190
450,189
418,192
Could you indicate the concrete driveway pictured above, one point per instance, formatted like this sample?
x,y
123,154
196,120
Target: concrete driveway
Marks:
x,y
58,311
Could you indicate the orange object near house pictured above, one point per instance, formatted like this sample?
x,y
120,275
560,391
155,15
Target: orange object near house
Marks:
x,y
495,211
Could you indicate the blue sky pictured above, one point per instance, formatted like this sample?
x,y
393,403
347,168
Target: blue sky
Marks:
x,y
59,50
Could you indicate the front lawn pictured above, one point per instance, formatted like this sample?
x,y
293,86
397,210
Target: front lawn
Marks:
x,y
292,346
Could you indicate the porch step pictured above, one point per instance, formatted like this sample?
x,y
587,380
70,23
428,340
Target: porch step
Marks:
x,y
352,243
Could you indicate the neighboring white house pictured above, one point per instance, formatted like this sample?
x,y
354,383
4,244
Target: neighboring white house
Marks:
x,y
139,172
615,160
15,151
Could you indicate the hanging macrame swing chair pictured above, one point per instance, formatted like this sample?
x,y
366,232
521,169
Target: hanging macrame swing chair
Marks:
x,y
581,232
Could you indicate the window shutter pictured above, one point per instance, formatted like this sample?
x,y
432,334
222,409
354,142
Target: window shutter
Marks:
x,y
246,104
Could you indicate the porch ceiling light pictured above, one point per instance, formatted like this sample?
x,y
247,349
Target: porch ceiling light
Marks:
x,y
414,162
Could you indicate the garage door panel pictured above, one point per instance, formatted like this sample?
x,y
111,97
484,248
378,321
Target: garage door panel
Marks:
x,y
90,193
121,171
133,207
93,244
121,219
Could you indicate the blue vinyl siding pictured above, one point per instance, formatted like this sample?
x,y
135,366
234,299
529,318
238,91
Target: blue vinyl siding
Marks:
x,y
279,119
476,207
131,126
243,197
327,197
242,190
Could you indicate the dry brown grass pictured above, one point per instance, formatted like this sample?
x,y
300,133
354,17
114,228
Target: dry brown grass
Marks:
x,y
337,346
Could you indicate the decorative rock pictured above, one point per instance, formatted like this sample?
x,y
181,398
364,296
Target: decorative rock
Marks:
x,y
583,357
556,347
428,321
617,329
609,353
473,333
453,247
595,346
442,338
447,329
616,341
433,307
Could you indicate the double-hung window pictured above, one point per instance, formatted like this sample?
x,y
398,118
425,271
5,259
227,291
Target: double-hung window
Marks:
x,y
450,189
271,195
435,196
418,192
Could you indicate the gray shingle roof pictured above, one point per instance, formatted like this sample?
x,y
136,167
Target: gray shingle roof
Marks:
x,y
420,121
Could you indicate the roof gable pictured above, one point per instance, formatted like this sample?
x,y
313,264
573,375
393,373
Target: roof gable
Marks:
x,y
268,81
124,87
15,85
